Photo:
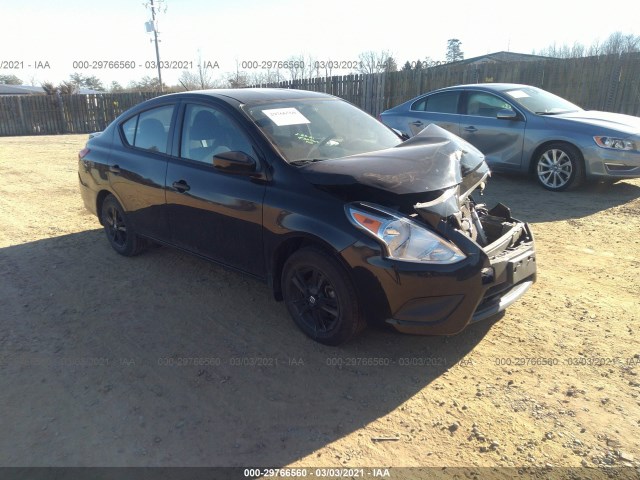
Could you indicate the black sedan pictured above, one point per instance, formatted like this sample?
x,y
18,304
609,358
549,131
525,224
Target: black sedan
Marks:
x,y
347,223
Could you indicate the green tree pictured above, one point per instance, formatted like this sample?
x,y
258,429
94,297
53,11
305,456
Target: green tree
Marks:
x,y
390,64
145,84
453,50
10,80
49,88
77,79
80,81
115,87
94,83
68,88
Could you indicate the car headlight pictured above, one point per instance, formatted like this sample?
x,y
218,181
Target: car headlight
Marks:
x,y
403,238
614,143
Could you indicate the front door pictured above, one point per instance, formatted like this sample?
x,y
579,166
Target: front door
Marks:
x,y
213,213
500,140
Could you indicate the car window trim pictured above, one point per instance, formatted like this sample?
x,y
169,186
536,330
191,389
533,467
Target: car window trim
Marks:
x,y
458,106
463,106
179,127
170,135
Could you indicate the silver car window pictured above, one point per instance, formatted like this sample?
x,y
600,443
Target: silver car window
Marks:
x,y
484,104
443,102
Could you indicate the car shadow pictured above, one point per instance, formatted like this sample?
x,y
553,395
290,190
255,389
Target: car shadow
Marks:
x,y
532,203
168,360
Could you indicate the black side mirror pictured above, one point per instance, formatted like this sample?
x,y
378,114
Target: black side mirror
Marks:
x,y
234,162
506,114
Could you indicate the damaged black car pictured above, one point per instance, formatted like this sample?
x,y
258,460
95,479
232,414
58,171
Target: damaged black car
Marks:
x,y
348,223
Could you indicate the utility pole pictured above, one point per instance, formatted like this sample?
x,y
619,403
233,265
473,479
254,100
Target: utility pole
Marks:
x,y
155,39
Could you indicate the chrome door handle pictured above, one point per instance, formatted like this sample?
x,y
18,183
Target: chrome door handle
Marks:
x,y
181,186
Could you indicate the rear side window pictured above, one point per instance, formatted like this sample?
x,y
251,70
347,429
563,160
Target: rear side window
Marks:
x,y
150,129
445,102
129,129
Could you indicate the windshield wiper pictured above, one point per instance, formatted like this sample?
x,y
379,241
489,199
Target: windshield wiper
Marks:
x,y
306,160
555,113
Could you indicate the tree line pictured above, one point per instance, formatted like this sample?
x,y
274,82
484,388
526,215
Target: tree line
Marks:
x,y
616,43
200,78
299,67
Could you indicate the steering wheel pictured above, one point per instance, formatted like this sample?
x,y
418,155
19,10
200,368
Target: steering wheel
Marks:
x,y
321,143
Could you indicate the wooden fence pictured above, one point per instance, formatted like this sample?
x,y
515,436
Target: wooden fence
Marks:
x,y
54,114
610,83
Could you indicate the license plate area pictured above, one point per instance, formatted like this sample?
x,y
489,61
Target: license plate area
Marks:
x,y
521,267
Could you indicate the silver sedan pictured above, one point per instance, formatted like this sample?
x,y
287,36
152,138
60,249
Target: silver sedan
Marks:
x,y
521,128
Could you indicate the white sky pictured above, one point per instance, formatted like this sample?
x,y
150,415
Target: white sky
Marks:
x,y
227,31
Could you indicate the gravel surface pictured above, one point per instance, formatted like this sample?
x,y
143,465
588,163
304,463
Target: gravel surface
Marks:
x,y
168,360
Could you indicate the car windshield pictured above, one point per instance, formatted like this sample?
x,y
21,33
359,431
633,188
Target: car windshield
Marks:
x,y
541,102
319,129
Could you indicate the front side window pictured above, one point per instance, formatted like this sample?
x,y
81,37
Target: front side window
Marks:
x,y
208,131
444,102
483,104
150,129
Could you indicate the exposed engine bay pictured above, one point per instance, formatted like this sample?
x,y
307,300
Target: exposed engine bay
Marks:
x,y
440,171
494,229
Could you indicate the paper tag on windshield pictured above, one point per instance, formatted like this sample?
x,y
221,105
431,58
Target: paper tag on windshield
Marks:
x,y
517,94
285,116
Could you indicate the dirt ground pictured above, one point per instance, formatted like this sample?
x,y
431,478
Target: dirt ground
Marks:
x,y
168,360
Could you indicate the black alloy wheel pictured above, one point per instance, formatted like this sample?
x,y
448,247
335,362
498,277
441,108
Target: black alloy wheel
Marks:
x,y
117,226
320,297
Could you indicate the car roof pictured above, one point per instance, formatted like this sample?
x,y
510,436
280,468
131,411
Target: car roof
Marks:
x,y
487,87
253,95
496,87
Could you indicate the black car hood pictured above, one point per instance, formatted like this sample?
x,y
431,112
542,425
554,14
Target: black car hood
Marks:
x,y
432,161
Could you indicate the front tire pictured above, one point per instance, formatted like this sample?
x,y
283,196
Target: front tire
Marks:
x,y
117,226
320,297
559,166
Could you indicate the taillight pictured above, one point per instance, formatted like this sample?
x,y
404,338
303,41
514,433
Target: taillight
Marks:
x,y
83,153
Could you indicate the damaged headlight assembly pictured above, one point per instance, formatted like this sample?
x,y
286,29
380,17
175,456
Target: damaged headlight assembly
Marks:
x,y
403,238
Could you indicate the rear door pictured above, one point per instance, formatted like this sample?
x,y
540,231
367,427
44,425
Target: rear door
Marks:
x,y
501,140
138,166
440,108
213,213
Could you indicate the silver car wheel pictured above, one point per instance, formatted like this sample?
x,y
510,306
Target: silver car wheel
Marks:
x,y
554,169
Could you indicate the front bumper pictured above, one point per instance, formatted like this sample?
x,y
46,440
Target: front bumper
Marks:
x,y
444,299
602,163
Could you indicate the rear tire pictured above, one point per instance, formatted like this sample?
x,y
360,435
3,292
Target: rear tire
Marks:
x,y
117,226
320,297
559,166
